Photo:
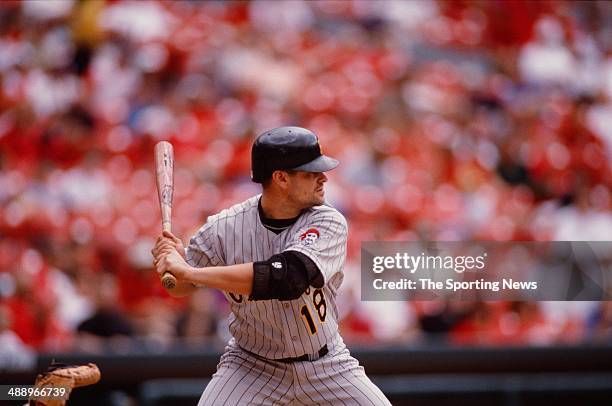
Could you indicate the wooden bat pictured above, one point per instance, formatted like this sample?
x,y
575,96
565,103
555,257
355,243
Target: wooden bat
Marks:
x,y
164,169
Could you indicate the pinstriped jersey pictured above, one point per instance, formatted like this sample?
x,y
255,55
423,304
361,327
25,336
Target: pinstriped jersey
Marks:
x,y
272,328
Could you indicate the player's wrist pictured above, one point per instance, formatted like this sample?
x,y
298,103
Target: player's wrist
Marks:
x,y
190,274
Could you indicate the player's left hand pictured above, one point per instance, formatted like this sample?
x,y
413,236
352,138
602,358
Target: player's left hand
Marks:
x,y
169,260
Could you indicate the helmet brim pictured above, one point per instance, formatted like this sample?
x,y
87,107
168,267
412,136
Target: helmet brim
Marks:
x,y
320,164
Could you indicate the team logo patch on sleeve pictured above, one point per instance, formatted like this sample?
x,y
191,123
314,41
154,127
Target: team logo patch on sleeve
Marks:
x,y
309,236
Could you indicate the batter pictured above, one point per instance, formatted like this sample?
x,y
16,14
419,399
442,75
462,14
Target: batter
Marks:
x,y
279,259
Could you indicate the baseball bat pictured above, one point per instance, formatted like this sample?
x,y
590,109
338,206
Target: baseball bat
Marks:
x,y
164,169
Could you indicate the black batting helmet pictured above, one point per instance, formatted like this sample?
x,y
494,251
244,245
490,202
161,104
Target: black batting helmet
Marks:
x,y
288,148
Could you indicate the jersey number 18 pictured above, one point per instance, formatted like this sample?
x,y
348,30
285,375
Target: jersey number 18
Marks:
x,y
318,301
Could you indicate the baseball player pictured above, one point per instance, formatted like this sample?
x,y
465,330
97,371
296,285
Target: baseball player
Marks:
x,y
279,259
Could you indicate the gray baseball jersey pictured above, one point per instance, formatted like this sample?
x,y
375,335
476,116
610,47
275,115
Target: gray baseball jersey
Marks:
x,y
267,330
277,329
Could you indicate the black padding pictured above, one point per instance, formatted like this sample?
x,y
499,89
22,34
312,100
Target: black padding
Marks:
x,y
284,276
315,277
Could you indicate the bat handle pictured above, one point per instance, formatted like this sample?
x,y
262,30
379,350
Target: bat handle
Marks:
x,y
168,280
166,225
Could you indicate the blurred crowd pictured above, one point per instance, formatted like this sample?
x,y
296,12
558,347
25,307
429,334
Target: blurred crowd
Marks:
x,y
453,120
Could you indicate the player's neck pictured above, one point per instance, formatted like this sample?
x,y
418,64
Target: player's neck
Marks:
x,y
277,207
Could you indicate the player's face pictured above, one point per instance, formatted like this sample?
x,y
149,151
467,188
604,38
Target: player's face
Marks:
x,y
307,188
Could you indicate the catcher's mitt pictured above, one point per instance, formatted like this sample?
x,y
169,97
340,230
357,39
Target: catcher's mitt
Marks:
x,y
68,377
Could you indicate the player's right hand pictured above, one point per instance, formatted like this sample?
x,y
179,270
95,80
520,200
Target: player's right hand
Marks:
x,y
167,240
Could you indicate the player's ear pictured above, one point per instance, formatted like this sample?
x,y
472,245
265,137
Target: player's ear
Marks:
x,y
281,179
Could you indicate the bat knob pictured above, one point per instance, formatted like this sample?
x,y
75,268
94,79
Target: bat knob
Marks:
x,y
168,281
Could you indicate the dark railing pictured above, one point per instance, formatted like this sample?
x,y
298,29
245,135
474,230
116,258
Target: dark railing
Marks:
x,y
408,375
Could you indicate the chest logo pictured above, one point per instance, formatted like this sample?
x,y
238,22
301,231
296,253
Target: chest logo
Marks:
x,y
277,265
309,236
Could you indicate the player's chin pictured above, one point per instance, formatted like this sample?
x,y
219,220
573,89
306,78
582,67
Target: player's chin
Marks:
x,y
319,198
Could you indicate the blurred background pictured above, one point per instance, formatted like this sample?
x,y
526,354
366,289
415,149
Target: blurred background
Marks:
x,y
453,120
